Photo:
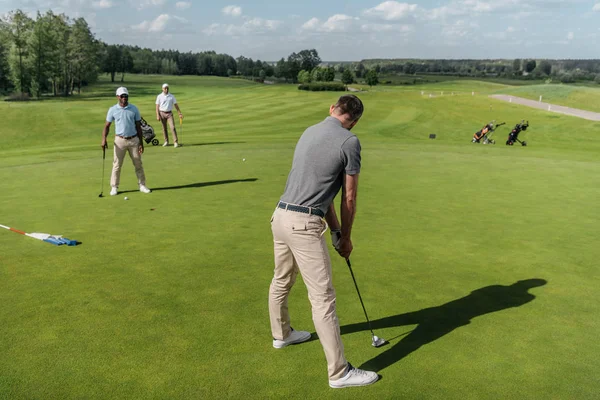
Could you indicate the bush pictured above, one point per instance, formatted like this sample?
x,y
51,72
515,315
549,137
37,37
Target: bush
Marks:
x,y
323,86
18,97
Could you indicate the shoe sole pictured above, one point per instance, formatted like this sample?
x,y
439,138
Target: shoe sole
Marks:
x,y
344,385
281,346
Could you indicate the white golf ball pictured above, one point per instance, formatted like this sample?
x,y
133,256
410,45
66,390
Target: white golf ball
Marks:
x,y
126,198
243,159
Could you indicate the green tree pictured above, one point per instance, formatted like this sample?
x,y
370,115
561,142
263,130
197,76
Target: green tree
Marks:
x,y
329,74
530,66
112,59
62,68
347,77
41,47
317,74
4,44
359,70
281,69
304,77
86,54
19,31
545,67
125,62
293,66
371,77
309,59
517,66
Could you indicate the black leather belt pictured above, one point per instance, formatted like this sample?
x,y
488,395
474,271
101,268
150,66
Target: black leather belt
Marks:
x,y
300,209
128,137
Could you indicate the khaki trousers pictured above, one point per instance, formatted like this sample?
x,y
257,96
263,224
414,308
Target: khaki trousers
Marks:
x,y
122,146
300,247
164,118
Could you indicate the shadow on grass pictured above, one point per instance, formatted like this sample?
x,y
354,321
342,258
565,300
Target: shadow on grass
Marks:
x,y
435,322
208,143
196,185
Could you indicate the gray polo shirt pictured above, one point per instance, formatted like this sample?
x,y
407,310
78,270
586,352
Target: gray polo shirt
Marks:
x,y
324,153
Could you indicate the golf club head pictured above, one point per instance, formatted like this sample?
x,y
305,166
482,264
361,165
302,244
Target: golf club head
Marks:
x,y
378,342
100,195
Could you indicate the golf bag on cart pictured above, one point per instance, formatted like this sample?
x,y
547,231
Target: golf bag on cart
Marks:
x,y
485,134
513,136
148,133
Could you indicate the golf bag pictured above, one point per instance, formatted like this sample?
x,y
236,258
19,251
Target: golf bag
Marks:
x,y
485,134
148,133
513,136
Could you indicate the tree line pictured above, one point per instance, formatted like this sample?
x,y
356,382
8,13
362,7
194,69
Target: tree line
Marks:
x,y
566,71
58,55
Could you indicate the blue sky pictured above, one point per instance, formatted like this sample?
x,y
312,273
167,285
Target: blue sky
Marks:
x,y
341,30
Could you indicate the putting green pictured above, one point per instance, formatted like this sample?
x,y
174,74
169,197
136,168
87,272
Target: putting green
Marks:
x,y
166,297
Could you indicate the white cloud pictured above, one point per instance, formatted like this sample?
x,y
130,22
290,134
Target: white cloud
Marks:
x,y
312,24
376,28
596,7
570,36
233,11
391,11
183,5
249,27
141,4
458,29
162,23
335,23
102,4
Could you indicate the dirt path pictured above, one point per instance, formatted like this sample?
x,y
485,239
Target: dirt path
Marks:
x,y
589,115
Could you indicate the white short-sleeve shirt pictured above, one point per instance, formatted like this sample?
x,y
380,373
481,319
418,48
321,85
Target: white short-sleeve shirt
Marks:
x,y
165,102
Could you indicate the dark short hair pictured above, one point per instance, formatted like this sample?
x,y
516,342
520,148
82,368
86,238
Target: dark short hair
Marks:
x,y
351,105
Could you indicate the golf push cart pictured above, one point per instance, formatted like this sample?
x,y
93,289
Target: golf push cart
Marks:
x,y
148,133
485,134
513,136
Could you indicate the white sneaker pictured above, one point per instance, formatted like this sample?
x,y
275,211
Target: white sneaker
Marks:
x,y
113,191
165,144
354,377
144,189
295,337
176,145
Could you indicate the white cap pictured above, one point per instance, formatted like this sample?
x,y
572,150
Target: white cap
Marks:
x,y
165,85
122,90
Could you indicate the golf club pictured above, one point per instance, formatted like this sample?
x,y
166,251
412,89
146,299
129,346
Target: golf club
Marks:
x,y
180,126
376,341
102,183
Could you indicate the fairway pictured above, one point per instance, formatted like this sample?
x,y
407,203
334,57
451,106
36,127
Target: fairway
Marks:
x,y
476,262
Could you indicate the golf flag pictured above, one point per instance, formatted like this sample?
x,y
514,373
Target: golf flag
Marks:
x,y
57,240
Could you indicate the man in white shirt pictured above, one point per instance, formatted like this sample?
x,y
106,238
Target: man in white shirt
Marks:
x,y
164,113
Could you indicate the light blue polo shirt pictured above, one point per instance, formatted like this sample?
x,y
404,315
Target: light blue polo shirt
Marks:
x,y
125,118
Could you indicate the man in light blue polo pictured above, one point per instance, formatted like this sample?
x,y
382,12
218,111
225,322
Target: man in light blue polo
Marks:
x,y
128,138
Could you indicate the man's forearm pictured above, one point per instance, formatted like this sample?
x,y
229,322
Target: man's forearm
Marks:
x,y
347,211
332,219
105,133
348,206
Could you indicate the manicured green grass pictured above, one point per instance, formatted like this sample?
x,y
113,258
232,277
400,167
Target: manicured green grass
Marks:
x,y
565,95
166,297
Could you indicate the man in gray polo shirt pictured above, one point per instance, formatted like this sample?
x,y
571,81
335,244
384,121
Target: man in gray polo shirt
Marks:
x,y
327,158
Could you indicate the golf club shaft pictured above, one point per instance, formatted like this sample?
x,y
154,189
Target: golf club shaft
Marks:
x,y
359,296
103,163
